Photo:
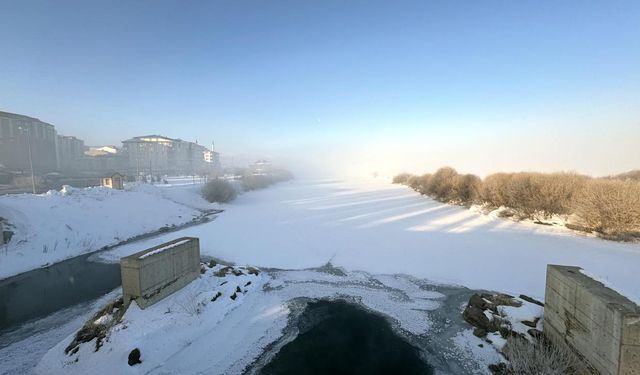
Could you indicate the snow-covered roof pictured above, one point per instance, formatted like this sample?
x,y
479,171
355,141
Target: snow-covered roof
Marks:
x,y
163,248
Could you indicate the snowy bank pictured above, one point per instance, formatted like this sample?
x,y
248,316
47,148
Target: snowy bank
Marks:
x,y
61,224
223,322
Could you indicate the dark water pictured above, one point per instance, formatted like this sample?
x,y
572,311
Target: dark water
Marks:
x,y
342,338
40,292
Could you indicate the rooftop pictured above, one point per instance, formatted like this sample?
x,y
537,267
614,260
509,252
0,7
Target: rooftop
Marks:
x,y
21,117
151,138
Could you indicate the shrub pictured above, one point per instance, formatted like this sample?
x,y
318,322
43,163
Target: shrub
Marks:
x,y
494,189
442,184
401,178
533,195
219,190
558,192
611,207
467,188
631,175
424,182
445,185
525,195
413,182
260,181
255,182
541,357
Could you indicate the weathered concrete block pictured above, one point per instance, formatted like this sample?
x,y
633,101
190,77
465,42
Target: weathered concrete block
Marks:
x,y
150,275
596,321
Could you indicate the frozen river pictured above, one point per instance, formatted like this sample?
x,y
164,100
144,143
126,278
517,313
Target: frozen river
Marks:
x,y
374,227
380,228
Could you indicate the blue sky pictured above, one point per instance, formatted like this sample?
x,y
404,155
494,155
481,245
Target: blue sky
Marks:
x,y
272,76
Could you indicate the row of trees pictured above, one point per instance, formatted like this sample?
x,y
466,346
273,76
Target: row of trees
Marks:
x,y
223,191
609,206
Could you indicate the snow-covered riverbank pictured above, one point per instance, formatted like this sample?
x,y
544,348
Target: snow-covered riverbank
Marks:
x,y
58,225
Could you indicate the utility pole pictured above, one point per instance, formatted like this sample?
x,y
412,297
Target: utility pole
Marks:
x,y
33,178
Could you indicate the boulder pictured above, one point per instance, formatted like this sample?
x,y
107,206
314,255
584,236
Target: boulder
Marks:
x,y
480,332
134,357
476,317
531,324
498,368
477,301
531,300
506,300
214,298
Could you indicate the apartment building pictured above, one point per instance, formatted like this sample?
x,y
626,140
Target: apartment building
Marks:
x,y
160,155
70,151
18,135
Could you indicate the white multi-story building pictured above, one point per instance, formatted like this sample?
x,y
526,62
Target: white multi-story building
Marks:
x,y
160,155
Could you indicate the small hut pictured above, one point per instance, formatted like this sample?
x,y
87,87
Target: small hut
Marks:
x,y
113,181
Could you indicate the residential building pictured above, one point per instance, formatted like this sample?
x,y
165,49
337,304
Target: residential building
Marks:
x,y
100,150
18,135
212,157
160,155
70,150
147,155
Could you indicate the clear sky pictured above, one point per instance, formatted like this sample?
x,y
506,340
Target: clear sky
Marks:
x,y
373,85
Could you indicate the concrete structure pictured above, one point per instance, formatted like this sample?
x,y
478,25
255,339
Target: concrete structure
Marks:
x,y
600,324
18,135
151,275
114,181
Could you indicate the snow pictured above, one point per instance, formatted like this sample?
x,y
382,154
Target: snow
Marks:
x,y
381,228
511,317
61,224
163,248
476,349
527,312
388,240
187,333
622,289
